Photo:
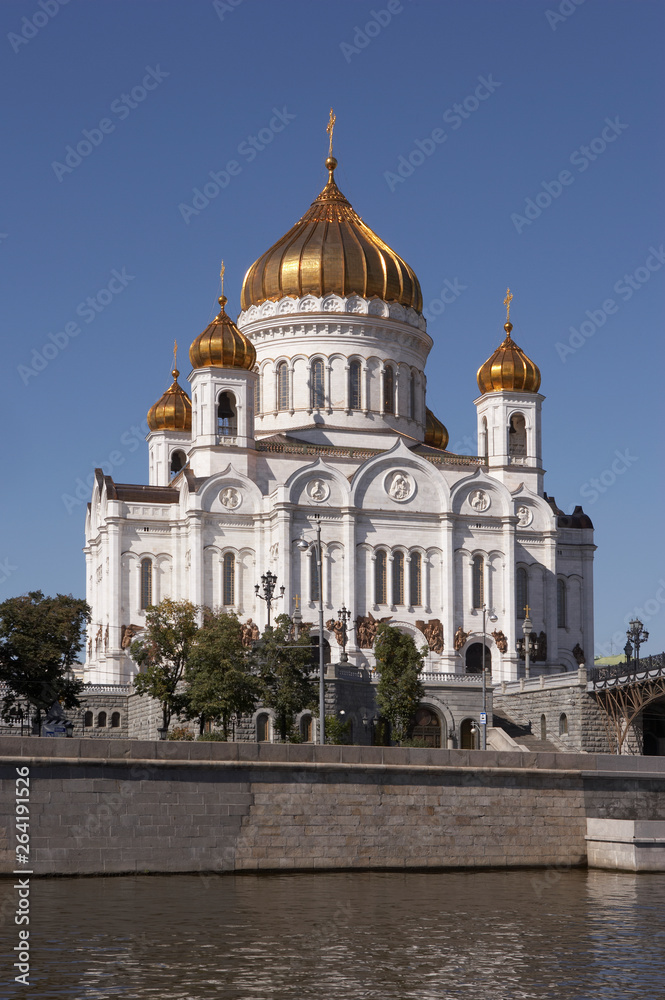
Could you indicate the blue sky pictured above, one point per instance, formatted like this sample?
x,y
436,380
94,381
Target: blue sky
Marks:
x,y
547,178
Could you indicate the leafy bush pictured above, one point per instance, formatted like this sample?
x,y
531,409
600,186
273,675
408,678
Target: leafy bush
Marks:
x,y
180,733
338,732
215,736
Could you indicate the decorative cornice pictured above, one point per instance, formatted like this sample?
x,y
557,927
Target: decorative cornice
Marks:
x,y
326,304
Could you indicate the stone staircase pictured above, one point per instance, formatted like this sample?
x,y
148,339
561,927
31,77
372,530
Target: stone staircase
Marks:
x,y
523,736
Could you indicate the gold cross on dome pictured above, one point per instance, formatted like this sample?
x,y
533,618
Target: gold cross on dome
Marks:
x,y
296,599
527,609
175,354
508,299
329,129
221,276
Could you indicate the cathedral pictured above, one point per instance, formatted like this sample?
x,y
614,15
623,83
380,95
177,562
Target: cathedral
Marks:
x,y
310,410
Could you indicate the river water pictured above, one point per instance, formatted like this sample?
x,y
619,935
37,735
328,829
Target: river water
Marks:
x,y
477,935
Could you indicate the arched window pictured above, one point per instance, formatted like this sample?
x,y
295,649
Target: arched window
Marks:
x,y
314,588
485,444
563,724
229,579
306,729
257,394
115,720
101,720
521,592
88,720
146,584
355,376
263,728
561,603
469,735
412,396
425,726
317,393
478,581
282,386
416,580
517,436
178,462
543,727
227,417
380,578
398,578
388,390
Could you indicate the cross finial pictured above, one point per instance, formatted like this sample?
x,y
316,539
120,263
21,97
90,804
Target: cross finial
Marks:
x,y
175,371
296,601
329,129
527,609
508,299
221,276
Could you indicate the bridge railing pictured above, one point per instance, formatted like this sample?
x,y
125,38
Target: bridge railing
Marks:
x,y
622,674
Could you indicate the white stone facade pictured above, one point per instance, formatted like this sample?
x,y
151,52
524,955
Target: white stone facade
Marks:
x,y
331,425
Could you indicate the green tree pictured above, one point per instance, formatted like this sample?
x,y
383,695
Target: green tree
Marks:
x,y
162,653
40,638
285,671
400,689
220,684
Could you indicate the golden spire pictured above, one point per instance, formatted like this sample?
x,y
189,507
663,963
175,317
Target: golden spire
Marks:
x,y
508,299
222,298
175,371
329,129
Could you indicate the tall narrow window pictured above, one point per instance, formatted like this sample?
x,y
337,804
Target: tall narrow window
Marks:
x,y
263,729
521,592
282,386
398,578
416,580
388,390
227,419
178,462
314,584
485,442
380,576
257,394
355,374
146,583
561,603
478,582
412,396
317,393
517,437
229,579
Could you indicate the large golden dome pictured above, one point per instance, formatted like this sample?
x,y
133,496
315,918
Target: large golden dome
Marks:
x,y
436,434
222,345
508,368
331,250
173,412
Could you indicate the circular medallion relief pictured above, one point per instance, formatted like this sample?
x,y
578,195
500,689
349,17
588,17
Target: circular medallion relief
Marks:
x,y
318,490
230,497
399,486
479,500
524,516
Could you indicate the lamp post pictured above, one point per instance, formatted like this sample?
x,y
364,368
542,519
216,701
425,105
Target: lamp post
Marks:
x,y
303,546
493,618
268,581
636,634
343,616
526,646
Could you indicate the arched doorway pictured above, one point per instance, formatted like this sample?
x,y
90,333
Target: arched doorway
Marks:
x,y
474,658
653,729
469,735
314,639
426,726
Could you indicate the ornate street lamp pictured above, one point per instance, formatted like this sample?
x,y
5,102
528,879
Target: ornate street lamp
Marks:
x,y
268,582
526,647
343,616
303,545
636,634
628,650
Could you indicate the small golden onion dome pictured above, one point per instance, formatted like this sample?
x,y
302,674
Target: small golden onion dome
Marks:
x,y
436,435
331,250
222,345
508,368
173,412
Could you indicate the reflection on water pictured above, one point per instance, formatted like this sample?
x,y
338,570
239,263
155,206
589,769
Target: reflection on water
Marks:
x,y
477,935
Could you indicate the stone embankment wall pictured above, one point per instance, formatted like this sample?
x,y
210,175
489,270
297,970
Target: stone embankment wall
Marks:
x,y
586,729
135,806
